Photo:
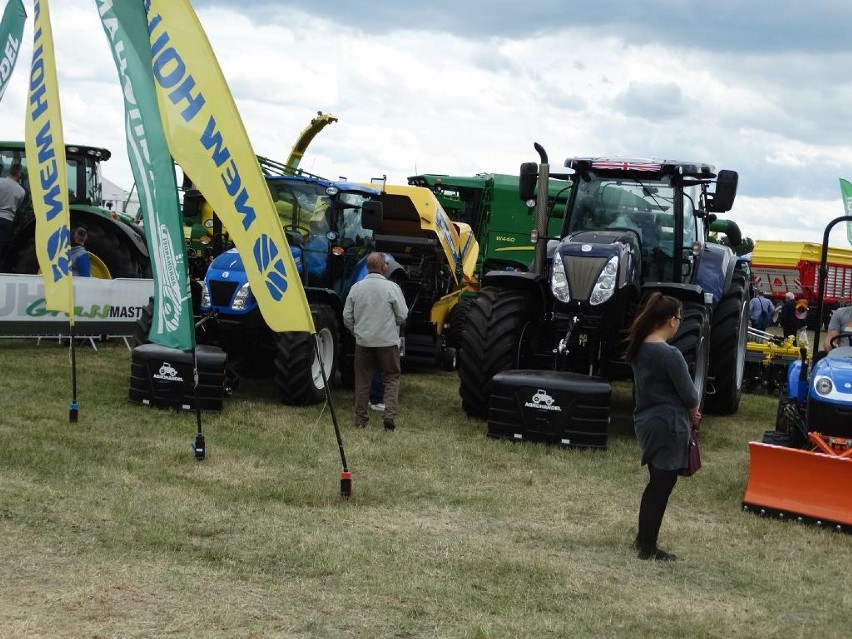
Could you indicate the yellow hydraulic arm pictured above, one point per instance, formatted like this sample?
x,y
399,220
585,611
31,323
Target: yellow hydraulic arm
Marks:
x,y
310,132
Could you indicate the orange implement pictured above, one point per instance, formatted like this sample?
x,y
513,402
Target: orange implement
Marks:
x,y
800,484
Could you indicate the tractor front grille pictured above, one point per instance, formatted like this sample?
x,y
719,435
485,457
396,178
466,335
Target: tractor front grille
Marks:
x,y
221,293
831,419
582,274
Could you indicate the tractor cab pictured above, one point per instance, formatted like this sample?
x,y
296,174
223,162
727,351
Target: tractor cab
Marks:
x,y
658,208
329,226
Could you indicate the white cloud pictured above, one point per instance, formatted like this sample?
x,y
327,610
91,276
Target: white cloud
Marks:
x,y
439,101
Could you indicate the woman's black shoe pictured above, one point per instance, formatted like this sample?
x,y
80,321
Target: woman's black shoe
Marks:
x,y
657,555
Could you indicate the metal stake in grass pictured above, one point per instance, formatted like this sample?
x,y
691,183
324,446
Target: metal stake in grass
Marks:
x,y
345,475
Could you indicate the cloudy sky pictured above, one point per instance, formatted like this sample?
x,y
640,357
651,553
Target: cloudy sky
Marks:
x,y
463,87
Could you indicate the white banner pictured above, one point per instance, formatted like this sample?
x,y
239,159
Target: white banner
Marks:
x,y
102,307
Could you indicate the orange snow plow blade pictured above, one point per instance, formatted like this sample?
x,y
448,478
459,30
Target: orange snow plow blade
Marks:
x,y
800,484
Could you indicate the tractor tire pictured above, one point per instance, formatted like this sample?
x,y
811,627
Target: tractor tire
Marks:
x,y
449,359
297,369
143,325
776,438
790,420
455,321
105,241
728,343
693,341
490,344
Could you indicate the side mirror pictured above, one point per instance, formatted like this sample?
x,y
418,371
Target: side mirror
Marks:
x,y
527,181
371,215
726,190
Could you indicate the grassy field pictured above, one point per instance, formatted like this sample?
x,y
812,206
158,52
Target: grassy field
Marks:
x,y
110,528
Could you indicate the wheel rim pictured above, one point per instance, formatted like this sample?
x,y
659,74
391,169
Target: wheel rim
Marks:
x,y
741,347
701,360
325,342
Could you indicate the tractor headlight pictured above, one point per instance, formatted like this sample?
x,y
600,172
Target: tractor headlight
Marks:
x,y
205,294
605,286
241,299
823,385
559,280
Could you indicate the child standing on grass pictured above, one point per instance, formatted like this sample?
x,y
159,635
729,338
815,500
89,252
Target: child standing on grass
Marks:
x,y
666,404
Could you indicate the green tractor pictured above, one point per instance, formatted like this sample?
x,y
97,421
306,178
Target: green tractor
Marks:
x,y
501,222
116,245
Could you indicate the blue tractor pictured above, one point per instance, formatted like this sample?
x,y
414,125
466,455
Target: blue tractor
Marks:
x,y
329,226
803,468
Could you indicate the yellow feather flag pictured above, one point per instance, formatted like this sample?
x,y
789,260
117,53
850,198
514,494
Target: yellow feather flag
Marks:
x,y
45,148
207,138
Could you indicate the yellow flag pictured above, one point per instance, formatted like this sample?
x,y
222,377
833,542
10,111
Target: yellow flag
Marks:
x,y
45,148
207,138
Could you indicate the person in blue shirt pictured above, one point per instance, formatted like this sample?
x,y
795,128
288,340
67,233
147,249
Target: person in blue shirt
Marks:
x,y
761,311
78,255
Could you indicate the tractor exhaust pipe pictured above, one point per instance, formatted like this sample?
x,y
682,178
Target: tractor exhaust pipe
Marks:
x,y
540,239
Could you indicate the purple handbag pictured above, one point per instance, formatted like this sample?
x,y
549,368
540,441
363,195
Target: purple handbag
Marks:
x,y
693,456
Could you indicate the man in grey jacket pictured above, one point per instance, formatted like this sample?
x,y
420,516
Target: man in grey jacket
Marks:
x,y
11,196
374,310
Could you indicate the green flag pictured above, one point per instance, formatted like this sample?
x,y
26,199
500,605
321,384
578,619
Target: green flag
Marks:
x,y
846,192
126,28
11,30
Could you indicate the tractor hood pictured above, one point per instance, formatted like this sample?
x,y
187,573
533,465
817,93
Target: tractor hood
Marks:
x,y
590,266
225,278
831,380
597,243
231,262
227,261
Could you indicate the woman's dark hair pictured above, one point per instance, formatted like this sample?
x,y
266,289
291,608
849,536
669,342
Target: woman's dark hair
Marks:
x,y
657,310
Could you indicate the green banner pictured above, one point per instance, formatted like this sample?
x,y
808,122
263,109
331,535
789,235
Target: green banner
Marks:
x,y
846,192
126,28
11,30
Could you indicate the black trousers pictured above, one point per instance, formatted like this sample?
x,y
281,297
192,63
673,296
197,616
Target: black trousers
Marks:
x,y
653,507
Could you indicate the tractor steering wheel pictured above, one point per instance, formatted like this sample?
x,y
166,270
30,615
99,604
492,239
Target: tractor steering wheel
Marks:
x,y
835,341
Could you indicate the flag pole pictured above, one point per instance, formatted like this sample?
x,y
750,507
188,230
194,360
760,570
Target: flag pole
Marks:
x,y
345,475
199,446
74,409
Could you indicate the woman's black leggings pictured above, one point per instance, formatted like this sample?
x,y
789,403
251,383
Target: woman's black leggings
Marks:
x,y
653,507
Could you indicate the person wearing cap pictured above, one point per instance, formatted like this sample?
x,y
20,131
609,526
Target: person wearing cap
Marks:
x,y
789,320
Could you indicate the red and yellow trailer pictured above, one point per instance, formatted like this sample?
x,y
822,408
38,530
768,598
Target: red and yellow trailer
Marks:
x,y
779,266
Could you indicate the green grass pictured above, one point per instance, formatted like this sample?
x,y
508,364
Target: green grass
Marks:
x,y
110,528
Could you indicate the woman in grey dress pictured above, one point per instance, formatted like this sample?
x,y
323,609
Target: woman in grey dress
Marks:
x,y
666,405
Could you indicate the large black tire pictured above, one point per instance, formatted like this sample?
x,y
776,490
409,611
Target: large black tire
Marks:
x,y
490,344
728,342
105,240
693,340
297,370
142,326
455,321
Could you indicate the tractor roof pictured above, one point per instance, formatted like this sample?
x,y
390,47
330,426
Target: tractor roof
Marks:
x,y
644,165
98,153
348,187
